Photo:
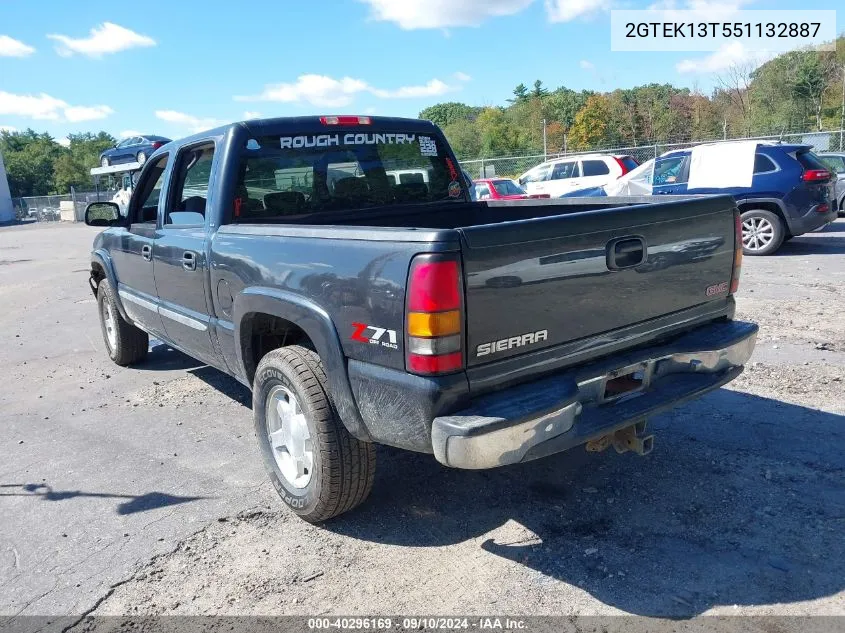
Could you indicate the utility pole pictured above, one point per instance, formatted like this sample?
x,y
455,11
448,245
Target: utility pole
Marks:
x,y
545,149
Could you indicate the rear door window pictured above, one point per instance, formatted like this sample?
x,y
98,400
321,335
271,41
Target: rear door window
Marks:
x,y
296,176
594,168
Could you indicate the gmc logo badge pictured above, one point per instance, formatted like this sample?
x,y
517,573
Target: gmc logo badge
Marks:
x,y
716,289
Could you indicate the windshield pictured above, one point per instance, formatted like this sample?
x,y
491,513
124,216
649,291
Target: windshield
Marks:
x,y
508,188
300,175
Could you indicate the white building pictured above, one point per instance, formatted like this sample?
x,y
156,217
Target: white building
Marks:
x,y
7,214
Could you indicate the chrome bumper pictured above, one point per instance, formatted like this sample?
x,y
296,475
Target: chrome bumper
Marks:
x,y
556,413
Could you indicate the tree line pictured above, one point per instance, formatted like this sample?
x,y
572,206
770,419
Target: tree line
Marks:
x,y
36,165
798,91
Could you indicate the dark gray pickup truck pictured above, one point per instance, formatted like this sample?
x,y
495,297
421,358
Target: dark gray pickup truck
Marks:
x,y
337,267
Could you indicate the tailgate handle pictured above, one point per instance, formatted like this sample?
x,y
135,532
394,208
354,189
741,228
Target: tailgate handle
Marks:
x,y
626,252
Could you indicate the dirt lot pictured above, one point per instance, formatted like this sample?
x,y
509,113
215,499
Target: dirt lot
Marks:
x,y
141,491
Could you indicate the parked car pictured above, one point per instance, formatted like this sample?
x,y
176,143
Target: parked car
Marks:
x,y
132,150
562,175
835,162
366,313
502,189
791,192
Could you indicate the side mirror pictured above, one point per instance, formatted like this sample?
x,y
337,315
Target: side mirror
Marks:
x,y
102,214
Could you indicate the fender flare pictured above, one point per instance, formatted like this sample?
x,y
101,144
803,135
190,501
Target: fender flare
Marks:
x,y
102,258
319,327
775,201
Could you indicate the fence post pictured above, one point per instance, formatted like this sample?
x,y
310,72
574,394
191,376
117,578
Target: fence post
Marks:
x,y
655,150
483,170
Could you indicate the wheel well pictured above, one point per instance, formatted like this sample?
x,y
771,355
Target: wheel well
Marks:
x,y
262,333
765,206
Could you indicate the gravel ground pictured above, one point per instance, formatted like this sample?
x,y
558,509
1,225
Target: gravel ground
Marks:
x,y
141,491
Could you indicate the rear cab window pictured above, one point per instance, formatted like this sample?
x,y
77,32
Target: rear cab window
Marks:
x,y
284,177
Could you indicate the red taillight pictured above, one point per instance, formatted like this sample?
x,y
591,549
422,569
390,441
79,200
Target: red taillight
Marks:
x,y
737,269
621,166
346,120
157,144
434,316
815,175
823,208
434,286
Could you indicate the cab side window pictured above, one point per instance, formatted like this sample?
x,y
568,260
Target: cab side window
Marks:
x,y
191,178
538,174
669,171
482,192
565,170
144,208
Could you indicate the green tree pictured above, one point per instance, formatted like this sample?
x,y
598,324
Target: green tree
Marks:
x,y
73,165
538,90
464,137
520,93
443,114
29,158
590,129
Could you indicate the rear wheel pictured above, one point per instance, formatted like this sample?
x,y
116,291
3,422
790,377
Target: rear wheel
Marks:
x,y
142,158
104,161
316,466
762,232
125,343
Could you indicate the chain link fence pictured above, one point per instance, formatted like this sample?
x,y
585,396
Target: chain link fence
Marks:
x,y
515,166
68,207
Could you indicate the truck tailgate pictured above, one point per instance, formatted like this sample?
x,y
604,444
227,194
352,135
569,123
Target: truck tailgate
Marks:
x,y
541,282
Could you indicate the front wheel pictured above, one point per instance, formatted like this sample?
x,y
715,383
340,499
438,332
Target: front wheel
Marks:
x,y
141,157
316,466
762,232
104,161
125,343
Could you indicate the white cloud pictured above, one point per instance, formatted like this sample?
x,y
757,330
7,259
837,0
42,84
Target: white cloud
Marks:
x,y
76,114
129,133
710,10
251,114
10,47
104,39
433,88
64,142
568,10
462,76
435,14
8,128
728,55
44,107
192,123
325,91
587,65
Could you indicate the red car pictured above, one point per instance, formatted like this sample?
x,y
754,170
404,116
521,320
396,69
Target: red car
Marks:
x,y
501,189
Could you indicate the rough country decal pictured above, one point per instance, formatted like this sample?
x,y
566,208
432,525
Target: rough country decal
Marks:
x,y
716,289
328,140
509,343
373,335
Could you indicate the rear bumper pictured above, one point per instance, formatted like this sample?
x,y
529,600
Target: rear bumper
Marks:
x,y
568,409
813,219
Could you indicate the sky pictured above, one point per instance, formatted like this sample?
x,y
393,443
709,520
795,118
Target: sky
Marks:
x,y
177,67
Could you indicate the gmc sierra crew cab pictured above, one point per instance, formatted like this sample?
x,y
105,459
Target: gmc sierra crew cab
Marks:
x,y
366,308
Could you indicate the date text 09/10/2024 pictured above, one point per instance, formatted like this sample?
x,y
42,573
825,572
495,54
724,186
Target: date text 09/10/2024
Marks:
x,y
417,623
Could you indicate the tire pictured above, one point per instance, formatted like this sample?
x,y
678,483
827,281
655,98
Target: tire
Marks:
x,y
338,475
141,158
125,343
762,232
104,161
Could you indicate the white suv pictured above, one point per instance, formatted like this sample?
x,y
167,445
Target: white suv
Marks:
x,y
562,175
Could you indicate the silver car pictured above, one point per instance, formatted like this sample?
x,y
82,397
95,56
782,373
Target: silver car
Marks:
x,y
835,161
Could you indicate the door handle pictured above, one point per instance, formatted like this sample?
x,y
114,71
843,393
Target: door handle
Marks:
x,y
626,252
147,252
189,260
